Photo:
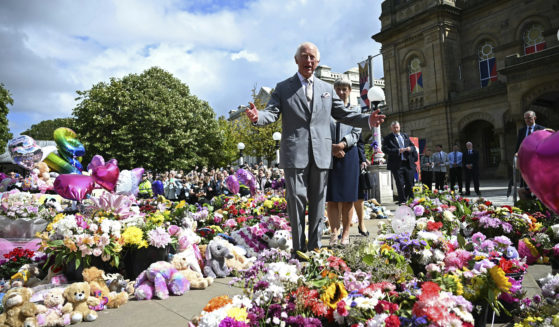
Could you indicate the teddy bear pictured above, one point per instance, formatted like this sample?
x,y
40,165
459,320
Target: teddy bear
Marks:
x,y
183,263
160,279
52,312
116,283
96,279
216,254
78,297
18,310
280,240
239,261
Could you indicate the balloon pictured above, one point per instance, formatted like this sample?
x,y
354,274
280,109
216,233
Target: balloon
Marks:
x,y
128,182
24,151
403,220
60,165
74,187
48,150
138,172
232,184
98,160
538,159
68,145
157,188
106,175
246,177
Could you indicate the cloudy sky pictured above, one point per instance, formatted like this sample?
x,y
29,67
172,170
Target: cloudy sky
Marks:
x,y
221,49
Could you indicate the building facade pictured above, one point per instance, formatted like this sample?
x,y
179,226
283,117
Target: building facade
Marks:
x,y
467,70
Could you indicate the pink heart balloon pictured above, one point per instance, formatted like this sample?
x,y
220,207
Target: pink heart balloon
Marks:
x,y
538,159
74,187
106,175
96,161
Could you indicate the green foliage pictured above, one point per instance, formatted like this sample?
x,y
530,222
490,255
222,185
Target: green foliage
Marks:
x,y
45,129
149,120
5,99
229,152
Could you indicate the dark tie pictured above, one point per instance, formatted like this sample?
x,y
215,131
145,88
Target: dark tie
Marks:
x,y
529,130
455,158
401,144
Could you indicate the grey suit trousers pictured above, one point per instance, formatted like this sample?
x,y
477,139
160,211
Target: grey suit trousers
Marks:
x,y
301,185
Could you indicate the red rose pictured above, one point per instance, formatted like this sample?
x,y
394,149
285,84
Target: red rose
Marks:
x,y
392,321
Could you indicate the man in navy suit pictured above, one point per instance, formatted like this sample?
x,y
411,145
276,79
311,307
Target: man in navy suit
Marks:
x,y
531,127
470,159
401,160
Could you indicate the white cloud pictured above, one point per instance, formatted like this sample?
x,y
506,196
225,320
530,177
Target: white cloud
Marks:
x,y
51,49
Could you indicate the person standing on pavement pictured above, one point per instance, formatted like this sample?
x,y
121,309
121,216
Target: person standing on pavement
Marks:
x,y
306,105
471,168
440,161
402,156
531,127
343,178
427,168
455,163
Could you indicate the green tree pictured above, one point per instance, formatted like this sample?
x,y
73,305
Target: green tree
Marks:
x,y
45,129
228,148
149,120
5,100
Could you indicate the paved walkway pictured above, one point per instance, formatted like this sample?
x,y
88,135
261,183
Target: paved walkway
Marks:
x,y
177,311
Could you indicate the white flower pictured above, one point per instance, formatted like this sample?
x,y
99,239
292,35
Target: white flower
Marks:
x,y
555,229
366,303
421,223
448,216
438,255
425,256
97,252
212,319
282,272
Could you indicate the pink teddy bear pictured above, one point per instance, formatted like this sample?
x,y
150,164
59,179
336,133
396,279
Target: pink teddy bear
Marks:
x,y
160,279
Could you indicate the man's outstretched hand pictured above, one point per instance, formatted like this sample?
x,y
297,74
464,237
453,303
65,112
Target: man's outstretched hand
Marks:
x,y
375,119
252,112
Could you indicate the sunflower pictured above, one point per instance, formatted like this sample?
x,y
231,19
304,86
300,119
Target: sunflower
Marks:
x,y
500,279
333,294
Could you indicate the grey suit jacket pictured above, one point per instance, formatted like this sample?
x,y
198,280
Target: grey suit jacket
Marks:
x,y
306,131
440,160
348,133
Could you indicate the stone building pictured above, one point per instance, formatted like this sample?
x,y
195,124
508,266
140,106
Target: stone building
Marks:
x,y
467,70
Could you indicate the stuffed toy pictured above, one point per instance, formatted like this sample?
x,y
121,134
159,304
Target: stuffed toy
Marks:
x,y
53,312
280,240
183,264
18,310
79,300
216,254
239,261
28,275
55,276
116,283
160,279
96,279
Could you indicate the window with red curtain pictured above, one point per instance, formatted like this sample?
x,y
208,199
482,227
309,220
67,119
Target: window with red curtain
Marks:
x,y
533,39
487,64
415,76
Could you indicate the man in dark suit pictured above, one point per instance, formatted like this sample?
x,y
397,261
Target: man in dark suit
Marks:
x,y
306,105
470,159
401,159
531,127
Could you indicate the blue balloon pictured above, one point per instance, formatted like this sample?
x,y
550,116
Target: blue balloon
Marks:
x,y
157,187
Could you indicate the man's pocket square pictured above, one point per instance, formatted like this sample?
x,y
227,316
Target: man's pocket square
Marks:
x,y
325,95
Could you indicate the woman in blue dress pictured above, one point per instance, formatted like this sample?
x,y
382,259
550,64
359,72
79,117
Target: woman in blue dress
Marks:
x,y
343,179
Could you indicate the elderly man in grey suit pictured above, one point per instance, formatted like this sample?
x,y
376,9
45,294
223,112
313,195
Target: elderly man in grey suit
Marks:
x,y
440,161
306,104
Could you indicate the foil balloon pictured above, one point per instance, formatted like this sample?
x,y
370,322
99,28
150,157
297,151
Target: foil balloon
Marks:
x,y
232,184
538,159
157,188
403,220
60,165
98,160
24,151
106,175
127,183
73,187
70,151
247,178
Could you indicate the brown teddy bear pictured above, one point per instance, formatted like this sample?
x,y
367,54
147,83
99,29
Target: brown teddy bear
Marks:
x,y
96,279
53,312
18,310
197,281
79,300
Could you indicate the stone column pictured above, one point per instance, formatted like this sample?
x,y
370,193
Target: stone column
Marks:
x,y
502,169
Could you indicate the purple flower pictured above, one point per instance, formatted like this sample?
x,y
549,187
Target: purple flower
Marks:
x,y
230,322
159,238
502,241
173,229
419,210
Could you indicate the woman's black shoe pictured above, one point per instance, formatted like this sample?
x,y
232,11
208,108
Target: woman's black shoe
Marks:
x,y
366,234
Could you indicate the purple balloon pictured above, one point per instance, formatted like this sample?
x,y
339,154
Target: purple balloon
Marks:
x,y
246,178
74,187
96,161
157,187
106,175
137,173
232,184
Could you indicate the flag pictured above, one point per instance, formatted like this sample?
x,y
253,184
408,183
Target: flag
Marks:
x,y
364,84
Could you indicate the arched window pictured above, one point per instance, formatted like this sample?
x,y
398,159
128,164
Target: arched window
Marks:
x,y
487,64
533,39
416,77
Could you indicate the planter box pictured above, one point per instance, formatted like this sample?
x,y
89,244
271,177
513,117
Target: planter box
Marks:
x,y
75,275
21,227
138,260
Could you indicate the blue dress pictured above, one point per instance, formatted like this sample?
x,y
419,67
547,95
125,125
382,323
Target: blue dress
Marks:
x,y
343,179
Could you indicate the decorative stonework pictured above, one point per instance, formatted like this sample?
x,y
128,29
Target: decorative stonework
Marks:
x,y
475,116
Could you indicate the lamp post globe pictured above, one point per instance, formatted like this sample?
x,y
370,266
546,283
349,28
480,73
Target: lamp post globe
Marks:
x,y
277,137
376,96
240,147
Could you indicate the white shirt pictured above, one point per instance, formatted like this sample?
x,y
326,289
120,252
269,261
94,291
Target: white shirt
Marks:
x,y
304,81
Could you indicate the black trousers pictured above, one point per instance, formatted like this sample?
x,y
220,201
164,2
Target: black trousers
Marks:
x,y
456,177
439,179
427,178
404,181
472,174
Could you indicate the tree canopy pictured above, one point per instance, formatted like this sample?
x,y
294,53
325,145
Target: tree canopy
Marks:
x,y
149,120
45,129
5,100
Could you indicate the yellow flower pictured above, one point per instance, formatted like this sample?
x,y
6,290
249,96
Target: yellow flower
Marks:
x,y
456,283
181,204
157,218
531,247
57,218
134,236
385,248
416,189
502,281
49,227
70,244
239,314
333,294
268,204
421,200
555,321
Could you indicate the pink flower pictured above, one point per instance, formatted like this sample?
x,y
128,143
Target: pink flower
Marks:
x,y
230,223
159,238
174,229
341,309
419,210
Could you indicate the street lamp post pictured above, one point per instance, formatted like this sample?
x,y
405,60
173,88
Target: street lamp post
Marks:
x,y
277,137
240,147
376,96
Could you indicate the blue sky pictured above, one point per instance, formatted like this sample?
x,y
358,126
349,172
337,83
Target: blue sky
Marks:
x,y
220,49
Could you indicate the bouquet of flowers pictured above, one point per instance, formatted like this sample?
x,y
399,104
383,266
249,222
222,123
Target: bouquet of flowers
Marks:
x,y
12,262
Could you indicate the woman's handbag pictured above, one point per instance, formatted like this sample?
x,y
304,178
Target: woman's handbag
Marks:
x,y
366,180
